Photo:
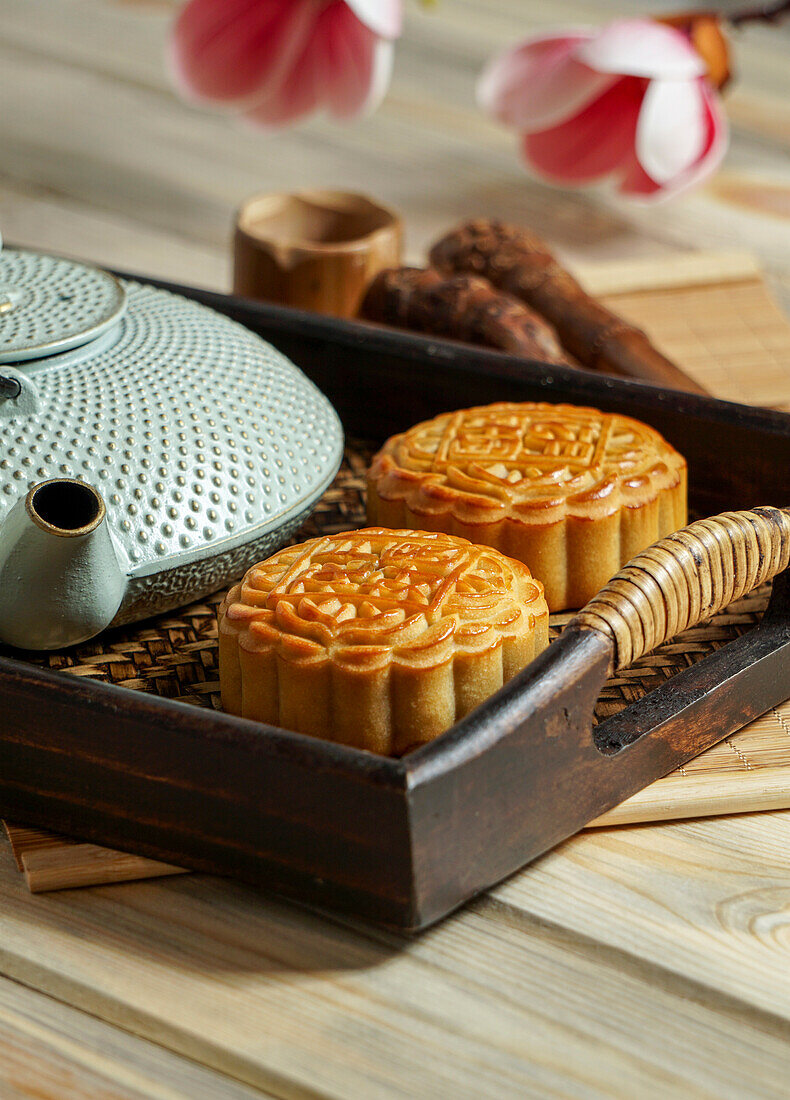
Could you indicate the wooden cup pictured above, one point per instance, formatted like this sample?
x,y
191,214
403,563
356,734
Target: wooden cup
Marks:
x,y
315,250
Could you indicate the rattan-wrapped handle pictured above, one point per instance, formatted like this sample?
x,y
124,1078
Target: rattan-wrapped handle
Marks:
x,y
688,577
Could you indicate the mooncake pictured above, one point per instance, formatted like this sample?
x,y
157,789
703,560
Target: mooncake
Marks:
x,y
572,492
376,638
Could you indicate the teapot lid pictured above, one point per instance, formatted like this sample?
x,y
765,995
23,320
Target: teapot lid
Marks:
x,y
49,304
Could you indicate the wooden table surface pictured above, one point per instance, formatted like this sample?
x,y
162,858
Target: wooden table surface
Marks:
x,y
648,961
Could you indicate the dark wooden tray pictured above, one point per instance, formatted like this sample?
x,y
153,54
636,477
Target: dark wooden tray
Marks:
x,y
402,841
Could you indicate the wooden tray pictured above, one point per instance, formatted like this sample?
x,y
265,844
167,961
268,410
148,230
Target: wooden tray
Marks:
x,y
368,866
712,313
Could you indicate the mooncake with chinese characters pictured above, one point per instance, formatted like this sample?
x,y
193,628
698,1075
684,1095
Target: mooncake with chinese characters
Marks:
x,y
376,638
572,492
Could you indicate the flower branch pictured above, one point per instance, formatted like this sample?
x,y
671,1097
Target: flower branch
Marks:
x,y
767,13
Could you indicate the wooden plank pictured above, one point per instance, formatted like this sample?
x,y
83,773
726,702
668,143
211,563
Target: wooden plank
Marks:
x,y
53,1052
745,772
52,862
488,1004
657,273
670,798
34,218
705,899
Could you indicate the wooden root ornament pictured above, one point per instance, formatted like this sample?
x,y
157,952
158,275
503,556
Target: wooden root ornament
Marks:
x,y
461,307
519,264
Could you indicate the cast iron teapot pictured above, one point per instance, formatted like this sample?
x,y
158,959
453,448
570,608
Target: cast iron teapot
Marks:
x,y
150,450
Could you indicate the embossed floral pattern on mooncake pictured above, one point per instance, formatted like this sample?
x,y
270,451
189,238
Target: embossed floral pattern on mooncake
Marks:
x,y
378,638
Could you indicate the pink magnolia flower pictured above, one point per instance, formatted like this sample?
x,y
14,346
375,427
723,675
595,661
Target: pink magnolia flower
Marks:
x,y
631,102
279,60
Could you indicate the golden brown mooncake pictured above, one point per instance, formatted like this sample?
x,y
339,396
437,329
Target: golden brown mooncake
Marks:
x,y
572,492
376,638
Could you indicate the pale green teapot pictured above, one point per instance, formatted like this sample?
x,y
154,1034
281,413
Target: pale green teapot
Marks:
x,y
150,450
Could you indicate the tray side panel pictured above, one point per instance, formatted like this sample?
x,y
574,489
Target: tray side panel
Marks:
x,y
205,791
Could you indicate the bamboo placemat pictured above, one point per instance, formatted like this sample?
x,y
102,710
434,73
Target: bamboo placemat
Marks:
x,y
714,316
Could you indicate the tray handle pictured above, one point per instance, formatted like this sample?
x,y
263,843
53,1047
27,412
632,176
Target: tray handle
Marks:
x,y
687,577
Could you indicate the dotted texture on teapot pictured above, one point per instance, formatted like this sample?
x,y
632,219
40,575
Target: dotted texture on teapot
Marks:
x,y
198,434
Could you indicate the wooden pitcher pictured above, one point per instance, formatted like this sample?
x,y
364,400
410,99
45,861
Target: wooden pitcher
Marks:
x,y
316,250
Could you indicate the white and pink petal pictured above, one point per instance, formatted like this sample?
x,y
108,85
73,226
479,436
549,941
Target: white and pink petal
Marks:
x,y
636,182
673,128
232,51
356,63
383,17
641,47
539,83
594,143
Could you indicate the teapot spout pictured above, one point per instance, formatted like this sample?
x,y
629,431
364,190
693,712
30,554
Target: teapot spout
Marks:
x,y
60,582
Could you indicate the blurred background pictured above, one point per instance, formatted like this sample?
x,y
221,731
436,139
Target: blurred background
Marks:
x,y
100,158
